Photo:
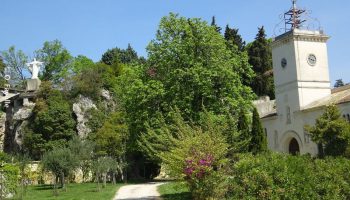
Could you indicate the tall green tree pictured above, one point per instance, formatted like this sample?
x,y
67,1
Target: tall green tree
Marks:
x,y
57,61
213,24
234,38
331,132
16,63
111,139
260,57
52,123
190,68
61,162
236,45
258,142
117,55
195,68
80,63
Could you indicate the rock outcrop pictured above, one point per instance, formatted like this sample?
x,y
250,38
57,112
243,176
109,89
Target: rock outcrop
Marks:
x,y
80,108
15,121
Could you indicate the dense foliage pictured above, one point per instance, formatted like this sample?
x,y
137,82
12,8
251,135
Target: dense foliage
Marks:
x,y
279,176
331,132
9,176
260,57
15,61
258,141
57,61
199,156
187,107
52,123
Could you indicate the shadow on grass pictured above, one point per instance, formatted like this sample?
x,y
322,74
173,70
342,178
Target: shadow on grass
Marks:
x,y
177,196
43,187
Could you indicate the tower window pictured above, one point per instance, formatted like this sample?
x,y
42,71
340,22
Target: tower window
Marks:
x,y
288,115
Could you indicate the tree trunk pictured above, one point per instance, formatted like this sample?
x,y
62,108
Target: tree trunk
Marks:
x,y
62,182
104,176
98,181
113,178
55,192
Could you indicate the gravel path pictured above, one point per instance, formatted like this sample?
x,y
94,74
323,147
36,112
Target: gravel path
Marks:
x,y
147,191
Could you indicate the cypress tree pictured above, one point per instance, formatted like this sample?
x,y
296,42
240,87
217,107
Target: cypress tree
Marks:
x,y
260,57
243,128
213,23
233,38
258,141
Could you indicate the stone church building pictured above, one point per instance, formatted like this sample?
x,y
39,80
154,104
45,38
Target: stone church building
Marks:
x,y
302,88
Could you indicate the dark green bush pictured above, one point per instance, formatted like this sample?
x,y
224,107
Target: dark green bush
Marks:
x,y
9,176
279,176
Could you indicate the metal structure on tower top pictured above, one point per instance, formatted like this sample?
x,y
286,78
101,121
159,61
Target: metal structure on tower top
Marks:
x,y
293,17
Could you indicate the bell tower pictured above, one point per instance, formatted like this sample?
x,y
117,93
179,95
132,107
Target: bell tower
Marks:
x,y
300,64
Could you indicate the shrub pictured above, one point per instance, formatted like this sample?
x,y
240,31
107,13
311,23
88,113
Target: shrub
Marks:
x,y
9,176
279,176
200,160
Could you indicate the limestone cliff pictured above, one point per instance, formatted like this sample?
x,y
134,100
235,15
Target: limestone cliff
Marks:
x,y
80,108
15,121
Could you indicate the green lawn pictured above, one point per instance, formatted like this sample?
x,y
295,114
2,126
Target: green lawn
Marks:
x,y
85,191
174,191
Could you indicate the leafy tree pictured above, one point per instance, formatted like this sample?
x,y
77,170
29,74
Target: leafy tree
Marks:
x,y
57,61
111,140
331,132
196,70
60,161
101,167
118,55
190,68
339,83
236,45
213,24
81,62
16,62
233,38
23,161
52,123
258,141
83,150
260,57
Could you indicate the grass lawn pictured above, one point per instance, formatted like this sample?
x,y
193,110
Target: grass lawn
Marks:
x,y
174,191
84,191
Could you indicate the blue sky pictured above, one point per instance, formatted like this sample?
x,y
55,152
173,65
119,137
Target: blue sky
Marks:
x,y
90,27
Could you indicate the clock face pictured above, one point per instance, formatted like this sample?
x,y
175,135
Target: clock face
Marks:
x,y
284,63
311,59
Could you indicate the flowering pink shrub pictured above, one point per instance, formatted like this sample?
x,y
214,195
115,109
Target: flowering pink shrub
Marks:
x,y
198,165
203,175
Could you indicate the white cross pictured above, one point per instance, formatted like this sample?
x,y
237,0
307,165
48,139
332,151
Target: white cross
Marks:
x,y
34,68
